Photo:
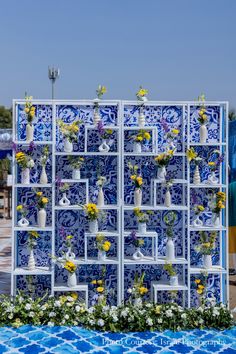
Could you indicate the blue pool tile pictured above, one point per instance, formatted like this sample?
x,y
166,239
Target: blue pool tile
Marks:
x,y
228,351
24,329
83,346
144,335
181,348
162,341
3,349
18,342
200,352
68,335
149,348
85,333
115,349
37,335
212,347
114,336
174,335
7,334
65,349
55,329
34,348
99,341
51,342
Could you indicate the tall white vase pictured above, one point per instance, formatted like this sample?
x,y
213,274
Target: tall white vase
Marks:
x,y
137,148
137,197
31,261
29,132
96,118
170,250
167,198
100,200
76,174
207,261
142,227
203,134
25,176
42,216
161,173
93,226
141,120
215,220
174,280
196,176
71,280
68,146
102,255
64,201
43,176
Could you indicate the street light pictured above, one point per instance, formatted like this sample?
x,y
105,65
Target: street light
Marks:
x,y
53,74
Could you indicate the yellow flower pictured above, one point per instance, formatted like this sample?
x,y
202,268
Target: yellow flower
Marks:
x,y
100,289
106,246
147,136
221,196
94,282
139,138
133,177
158,309
142,290
220,205
19,207
139,180
39,194
44,200
197,281
142,92
75,296
27,110
99,282
170,152
201,208
201,287
211,163
191,154
175,131
69,237
199,291
70,266
206,244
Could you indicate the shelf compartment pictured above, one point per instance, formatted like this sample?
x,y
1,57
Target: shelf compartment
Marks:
x,y
36,271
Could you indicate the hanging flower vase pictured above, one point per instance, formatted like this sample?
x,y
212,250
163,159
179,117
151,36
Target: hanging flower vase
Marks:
x,y
137,197
64,201
207,261
196,176
104,147
203,134
137,148
161,173
100,200
42,216
138,255
76,174
71,280
43,176
174,280
31,261
29,132
93,226
25,176
142,227
170,250
68,146
23,222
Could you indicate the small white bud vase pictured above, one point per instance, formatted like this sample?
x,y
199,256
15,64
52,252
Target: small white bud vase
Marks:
x,y
64,201
43,176
102,255
42,216
161,173
197,222
25,176
104,147
96,118
207,261
93,226
142,227
137,196
29,132
141,120
100,200
31,261
167,198
174,280
76,174
212,179
68,146
203,134
170,250
137,148
71,280
196,176
138,255
215,220
23,222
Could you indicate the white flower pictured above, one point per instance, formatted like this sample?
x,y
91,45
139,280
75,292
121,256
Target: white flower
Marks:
x,y
70,298
184,316
91,322
28,307
77,308
91,310
149,322
31,314
215,312
69,304
105,308
67,317
114,318
30,163
57,304
50,324
52,314
129,291
159,320
200,309
63,322
10,316
148,305
201,321
20,299
169,313
101,322
231,315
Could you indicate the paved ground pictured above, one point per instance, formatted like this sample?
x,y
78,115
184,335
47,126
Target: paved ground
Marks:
x,y
5,262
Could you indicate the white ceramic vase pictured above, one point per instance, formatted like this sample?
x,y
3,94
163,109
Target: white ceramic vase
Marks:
x,y
138,197
196,176
31,261
96,117
215,220
29,132
68,146
64,201
25,176
174,280
170,250
203,134
23,222
207,261
102,255
71,280
141,120
167,198
137,148
100,200
43,176
42,217
104,147
212,179
76,174
138,255
197,222
142,227
93,226
161,173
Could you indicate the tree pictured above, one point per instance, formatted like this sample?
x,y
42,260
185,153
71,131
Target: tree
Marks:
x,y
5,117
232,115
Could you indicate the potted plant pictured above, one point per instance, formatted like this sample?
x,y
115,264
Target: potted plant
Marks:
x,y
202,119
140,138
170,134
142,218
162,160
23,222
25,161
172,274
105,135
63,188
138,182
32,243
169,220
198,210
101,90
206,247
216,204
76,163
70,133
138,242
103,246
92,212
192,156
100,183
43,161
138,290
30,115
41,204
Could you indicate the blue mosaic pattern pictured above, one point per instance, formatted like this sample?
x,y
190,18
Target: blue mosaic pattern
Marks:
x,y
61,340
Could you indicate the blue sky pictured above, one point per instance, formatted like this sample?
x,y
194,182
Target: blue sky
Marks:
x,y
175,48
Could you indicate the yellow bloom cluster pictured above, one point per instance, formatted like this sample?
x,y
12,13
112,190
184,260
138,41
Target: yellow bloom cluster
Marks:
x,y
69,130
33,234
221,196
69,237
39,194
142,290
200,287
106,246
44,200
91,210
30,111
163,158
202,117
191,154
142,92
19,207
70,266
137,180
21,159
141,136
211,163
200,208
100,289
175,131
97,282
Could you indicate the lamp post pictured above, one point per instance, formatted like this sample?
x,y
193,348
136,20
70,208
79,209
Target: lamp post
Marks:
x,y
53,74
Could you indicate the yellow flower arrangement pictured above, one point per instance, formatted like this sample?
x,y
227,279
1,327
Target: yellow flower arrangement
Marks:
x,y
69,131
41,200
138,181
24,160
100,289
20,208
200,285
164,158
142,290
142,216
29,109
218,202
102,244
91,211
141,136
141,93
100,91
198,209
70,266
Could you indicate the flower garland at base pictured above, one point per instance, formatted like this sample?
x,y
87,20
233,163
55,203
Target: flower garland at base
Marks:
x,y
146,316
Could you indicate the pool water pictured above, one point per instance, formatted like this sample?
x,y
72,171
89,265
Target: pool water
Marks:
x,y
66,340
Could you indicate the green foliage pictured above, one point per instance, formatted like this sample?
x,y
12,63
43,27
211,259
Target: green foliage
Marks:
x,y
5,117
